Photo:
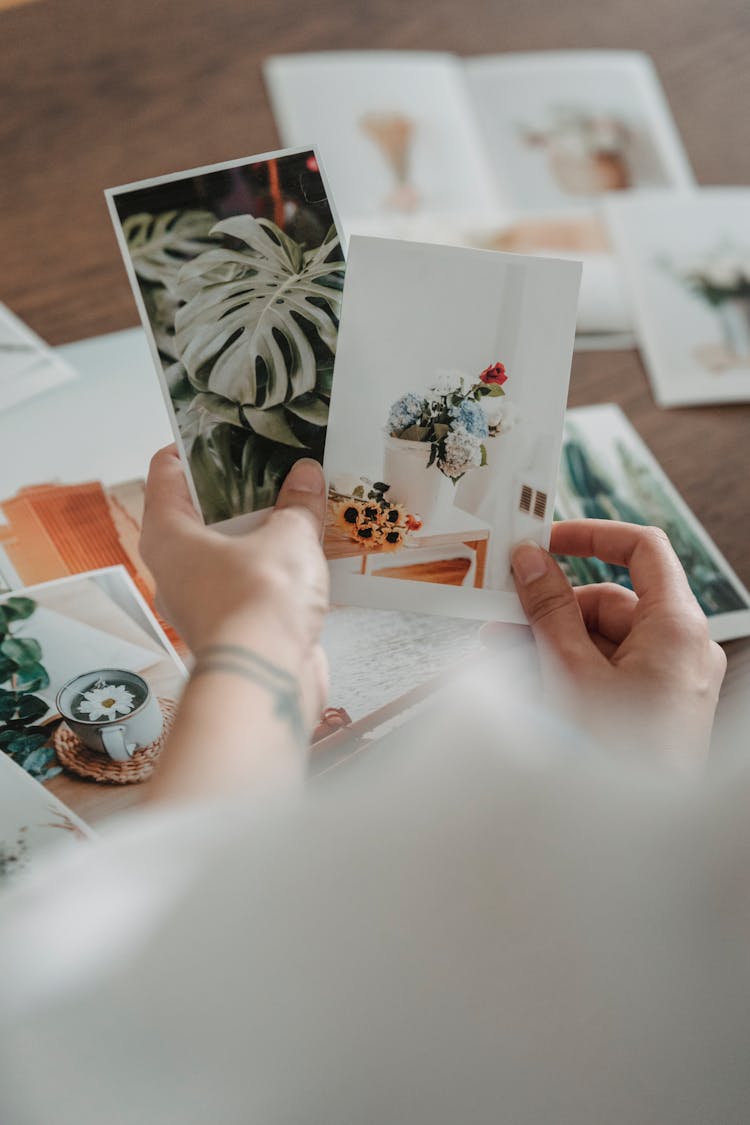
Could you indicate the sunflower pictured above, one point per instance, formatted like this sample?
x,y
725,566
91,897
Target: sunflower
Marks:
x,y
391,537
347,515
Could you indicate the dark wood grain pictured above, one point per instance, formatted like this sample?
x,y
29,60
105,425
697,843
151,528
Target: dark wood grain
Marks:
x,y
98,94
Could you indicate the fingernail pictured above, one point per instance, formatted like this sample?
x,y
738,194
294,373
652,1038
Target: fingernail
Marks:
x,y
307,476
529,562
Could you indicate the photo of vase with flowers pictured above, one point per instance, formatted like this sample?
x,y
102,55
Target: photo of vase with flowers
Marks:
x,y
446,414
721,279
441,432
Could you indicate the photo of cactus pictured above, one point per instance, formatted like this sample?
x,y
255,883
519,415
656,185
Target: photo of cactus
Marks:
x,y
238,272
606,472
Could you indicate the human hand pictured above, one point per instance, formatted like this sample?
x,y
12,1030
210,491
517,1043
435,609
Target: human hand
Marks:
x,y
642,659
266,590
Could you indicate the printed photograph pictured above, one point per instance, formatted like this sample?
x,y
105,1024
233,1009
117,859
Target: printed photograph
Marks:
x,y
607,472
28,366
238,272
89,685
564,128
446,421
687,264
395,130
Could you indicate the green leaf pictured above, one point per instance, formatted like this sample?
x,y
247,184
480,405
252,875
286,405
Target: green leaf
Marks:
x,y
441,430
31,708
23,743
32,677
359,492
18,609
8,704
272,424
21,650
312,409
250,316
484,456
160,244
414,433
495,391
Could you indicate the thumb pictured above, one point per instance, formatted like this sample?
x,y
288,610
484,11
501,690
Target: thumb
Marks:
x,y
305,489
549,603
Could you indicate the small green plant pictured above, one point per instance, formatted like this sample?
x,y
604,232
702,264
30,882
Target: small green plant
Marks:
x,y
22,674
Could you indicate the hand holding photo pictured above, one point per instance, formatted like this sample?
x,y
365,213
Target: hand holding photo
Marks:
x,y
446,420
237,271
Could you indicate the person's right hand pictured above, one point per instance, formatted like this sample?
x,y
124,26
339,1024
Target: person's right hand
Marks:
x,y
639,660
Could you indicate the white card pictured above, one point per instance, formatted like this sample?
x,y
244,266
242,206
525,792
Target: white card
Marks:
x,y
686,260
416,317
28,366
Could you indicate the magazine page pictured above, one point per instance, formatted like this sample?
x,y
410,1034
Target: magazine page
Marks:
x,y
397,134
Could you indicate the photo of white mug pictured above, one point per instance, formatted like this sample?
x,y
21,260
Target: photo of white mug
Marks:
x,y
112,711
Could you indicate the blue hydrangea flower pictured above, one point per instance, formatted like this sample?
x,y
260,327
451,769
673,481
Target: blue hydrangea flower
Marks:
x,y
406,411
471,417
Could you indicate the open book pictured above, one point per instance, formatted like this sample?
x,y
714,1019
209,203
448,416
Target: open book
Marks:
x,y
510,152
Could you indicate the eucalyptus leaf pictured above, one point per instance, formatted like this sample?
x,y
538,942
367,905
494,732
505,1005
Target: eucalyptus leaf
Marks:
x,y
8,704
250,316
31,708
31,677
21,650
25,742
272,424
160,244
18,609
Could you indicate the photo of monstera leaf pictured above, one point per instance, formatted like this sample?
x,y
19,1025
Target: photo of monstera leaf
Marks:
x,y
260,321
160,244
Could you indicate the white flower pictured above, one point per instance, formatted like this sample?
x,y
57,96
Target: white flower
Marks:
x,y
447,383
106,701
502,415
463,451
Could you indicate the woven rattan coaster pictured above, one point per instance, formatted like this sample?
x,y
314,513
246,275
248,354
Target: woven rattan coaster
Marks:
x,y
74,756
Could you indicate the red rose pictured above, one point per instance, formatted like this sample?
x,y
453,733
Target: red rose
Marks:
x,y
494,374
311,163
413,523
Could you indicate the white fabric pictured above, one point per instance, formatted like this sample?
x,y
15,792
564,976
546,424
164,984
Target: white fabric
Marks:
x,y
487,921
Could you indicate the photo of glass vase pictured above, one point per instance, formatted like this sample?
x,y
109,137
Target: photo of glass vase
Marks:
x,y
734,317
410,481
393,133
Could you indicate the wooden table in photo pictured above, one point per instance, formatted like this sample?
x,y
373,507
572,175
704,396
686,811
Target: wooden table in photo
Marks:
x,y
449,530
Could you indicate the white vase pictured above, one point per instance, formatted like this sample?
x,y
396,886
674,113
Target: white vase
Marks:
x,y
410,481
734,315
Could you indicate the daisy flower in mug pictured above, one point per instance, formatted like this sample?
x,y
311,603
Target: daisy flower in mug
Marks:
x,y
106,701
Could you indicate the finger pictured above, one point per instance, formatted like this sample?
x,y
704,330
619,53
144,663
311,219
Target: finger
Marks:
x,y
655,571
305,490
167,497
550,604
607,610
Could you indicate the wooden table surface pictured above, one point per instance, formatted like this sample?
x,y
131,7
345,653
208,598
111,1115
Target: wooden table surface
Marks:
x,y
98,94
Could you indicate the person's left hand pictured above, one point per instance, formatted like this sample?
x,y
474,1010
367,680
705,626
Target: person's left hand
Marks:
x,y
266,590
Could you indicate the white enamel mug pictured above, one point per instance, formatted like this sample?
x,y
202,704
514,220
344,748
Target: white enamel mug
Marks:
x,y
120,735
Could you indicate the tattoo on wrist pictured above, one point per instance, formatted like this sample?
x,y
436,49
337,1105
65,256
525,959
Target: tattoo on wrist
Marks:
x,y
240,661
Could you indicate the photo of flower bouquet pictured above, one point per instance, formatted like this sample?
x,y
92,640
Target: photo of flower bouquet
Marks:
x,y
444,430
238,273
370,520
587,152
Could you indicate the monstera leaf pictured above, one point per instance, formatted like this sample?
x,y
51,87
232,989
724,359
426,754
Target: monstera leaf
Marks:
x,y
254,317
160,244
